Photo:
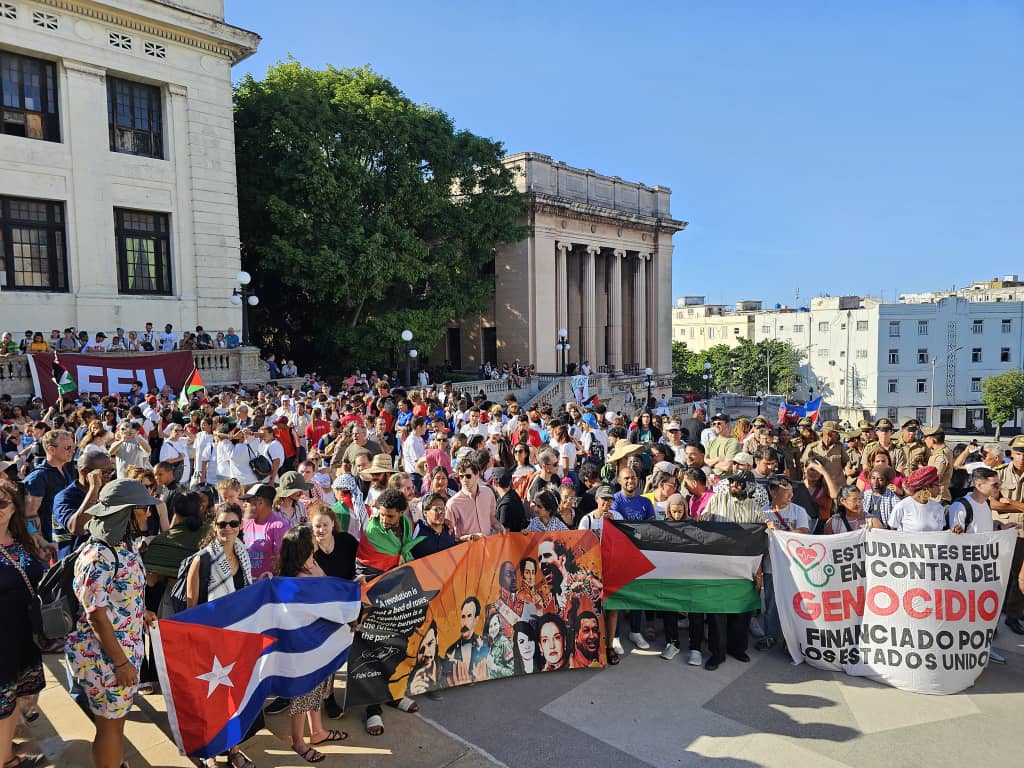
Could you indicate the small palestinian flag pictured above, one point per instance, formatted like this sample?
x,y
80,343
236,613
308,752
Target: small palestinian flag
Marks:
x,y
62,378
686,566
193,384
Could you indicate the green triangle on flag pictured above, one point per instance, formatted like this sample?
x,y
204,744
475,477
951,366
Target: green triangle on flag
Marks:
x,y
193,384
65,383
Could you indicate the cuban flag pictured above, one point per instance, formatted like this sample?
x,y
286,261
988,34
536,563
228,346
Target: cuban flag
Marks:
x,y
790,414
219,662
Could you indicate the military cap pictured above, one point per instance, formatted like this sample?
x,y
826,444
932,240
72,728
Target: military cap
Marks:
x,y
864,425
851,435
760,421
933,430
829,426
806,421
1017,443
910,424
883,424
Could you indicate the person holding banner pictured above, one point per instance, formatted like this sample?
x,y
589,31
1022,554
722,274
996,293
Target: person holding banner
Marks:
x,y
1010,508
919,512
782,515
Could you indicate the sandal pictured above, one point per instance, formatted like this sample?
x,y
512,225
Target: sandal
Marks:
x,y
310,755
405,704
25,761
32,716
613,657
375,725
246,762
331,736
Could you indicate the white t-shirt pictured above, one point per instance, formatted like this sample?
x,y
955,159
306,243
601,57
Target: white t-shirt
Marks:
x,y
412,451
223,450
238,465
172,449
168,341
205,451
566,450
591,522
982,522
273,450
792,515
910,517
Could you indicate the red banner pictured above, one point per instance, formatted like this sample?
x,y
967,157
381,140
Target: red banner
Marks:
x,y
111,374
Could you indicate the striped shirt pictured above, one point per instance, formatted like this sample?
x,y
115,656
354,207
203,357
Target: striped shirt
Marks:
x,y
725,508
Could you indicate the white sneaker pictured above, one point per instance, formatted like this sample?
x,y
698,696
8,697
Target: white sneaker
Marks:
x,y
670,652
638,640
617,647
694,659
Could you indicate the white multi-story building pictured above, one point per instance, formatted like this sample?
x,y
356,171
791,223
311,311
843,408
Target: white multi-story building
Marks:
x,y
118,200
869,359
701,325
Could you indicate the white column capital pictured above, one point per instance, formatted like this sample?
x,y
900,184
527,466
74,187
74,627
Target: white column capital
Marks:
x,y
594,249
645,256
562,246
71,66
620,253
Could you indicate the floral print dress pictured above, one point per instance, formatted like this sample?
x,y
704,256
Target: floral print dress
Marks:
x,y
120,594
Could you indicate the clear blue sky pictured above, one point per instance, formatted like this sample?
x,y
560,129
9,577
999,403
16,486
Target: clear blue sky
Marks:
x,y
831,147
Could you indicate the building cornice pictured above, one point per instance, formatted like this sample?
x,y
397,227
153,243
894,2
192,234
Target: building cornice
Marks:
x,y
577,211
232,43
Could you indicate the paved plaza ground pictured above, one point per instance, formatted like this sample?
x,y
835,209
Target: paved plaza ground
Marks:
x,y
646,711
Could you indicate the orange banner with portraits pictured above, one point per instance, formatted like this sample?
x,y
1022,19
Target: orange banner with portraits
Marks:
x,y
502,606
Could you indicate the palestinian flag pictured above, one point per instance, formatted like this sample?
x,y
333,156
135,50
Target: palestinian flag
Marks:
x,y
62,378
193,384
381,550
693,567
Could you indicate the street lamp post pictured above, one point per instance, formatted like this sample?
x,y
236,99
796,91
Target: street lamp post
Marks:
x,y
410,353
563,345
649,374
245,297
707,384
760,401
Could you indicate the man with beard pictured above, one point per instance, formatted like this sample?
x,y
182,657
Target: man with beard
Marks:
x,y
573,589
552,638
467,656
507,606
727,632
587,643
426,673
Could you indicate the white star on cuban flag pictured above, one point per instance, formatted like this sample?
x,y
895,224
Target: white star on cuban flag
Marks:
x,y
217,676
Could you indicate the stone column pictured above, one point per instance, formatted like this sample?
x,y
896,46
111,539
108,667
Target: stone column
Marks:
x,y
561,295
640,310
589,297
615,306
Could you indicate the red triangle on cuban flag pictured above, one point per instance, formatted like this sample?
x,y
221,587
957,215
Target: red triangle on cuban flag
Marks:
x,y
621,560
208,672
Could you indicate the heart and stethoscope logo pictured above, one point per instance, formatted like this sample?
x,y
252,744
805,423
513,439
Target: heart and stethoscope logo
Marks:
x,y
809,558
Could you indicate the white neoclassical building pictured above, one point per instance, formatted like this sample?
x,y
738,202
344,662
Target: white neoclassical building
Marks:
x,y
597,264
118,200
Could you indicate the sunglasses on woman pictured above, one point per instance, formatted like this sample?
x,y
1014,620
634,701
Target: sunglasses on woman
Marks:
x,y
222,524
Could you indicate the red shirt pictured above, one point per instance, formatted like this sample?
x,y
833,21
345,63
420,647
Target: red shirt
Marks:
x,y
315,430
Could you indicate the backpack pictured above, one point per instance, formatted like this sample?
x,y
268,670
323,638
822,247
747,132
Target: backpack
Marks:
x,y
259,464
595,453
56,608
968,514
179,594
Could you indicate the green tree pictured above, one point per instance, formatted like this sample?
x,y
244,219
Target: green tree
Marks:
x,y
1003,395
362,213
684,378
744,368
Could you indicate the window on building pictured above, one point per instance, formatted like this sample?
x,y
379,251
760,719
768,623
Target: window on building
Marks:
x,y
798,329
691,333
922,357
766,329
862,325
823,327
894,328
976,355
922,386
892,386
735,331
862,354
1007,326
922,327
711,333
894,357
842,353
33,254
28,95
976,384
891,413
135,118
978,326
1004,355
143,252
921,414
823,352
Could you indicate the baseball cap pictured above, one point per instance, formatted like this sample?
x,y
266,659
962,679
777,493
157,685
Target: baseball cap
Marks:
x,y
259,490
743,458
605,492
667,467
502,476
674,426
719,416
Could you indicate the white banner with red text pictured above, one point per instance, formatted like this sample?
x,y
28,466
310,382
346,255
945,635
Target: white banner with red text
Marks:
x,y
914,610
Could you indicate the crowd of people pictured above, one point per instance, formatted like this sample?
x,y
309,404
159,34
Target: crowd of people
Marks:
x,y
165,507
147,340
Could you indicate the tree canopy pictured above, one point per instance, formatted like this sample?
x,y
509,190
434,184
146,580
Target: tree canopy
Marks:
x,y
362,213
744,369
1003,395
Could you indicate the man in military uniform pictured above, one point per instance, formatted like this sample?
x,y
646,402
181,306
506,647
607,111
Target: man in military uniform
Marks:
x,y
911,454
854,446
829,450
1009,508
883,438
805,436
790,464
940,457
867,433
752,443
